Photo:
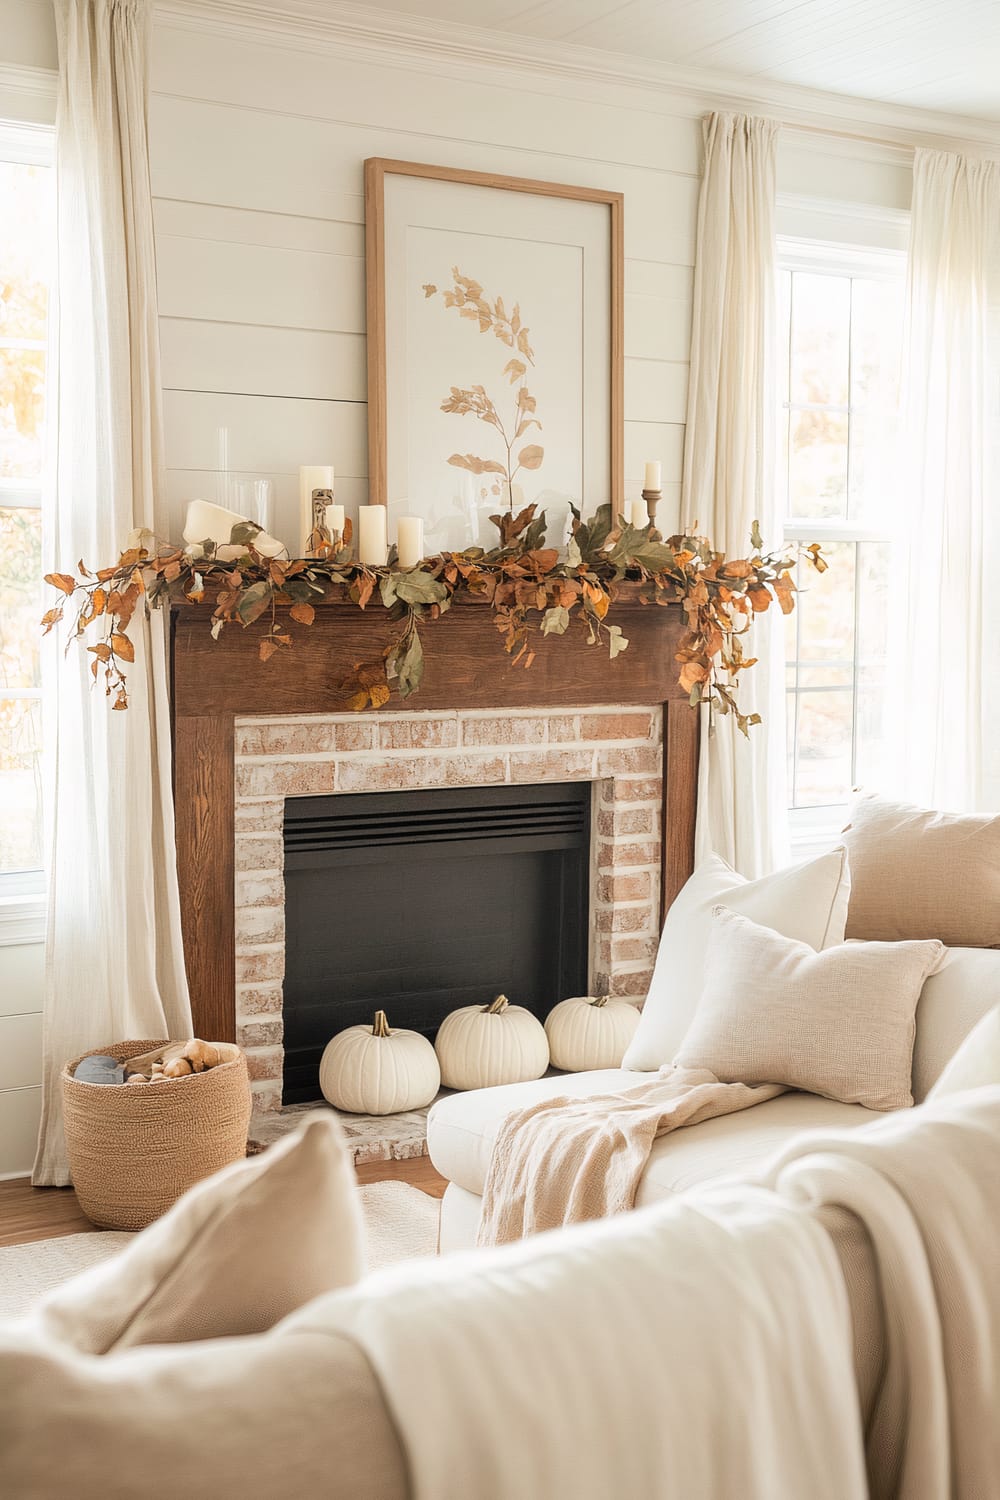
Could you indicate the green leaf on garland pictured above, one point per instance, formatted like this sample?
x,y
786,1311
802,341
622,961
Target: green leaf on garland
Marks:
x,y
410,666
243,533
419,588
555,621
253,601
618,643
534,537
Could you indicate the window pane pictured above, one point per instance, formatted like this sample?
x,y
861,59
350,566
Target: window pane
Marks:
x,y
817,464
823,759
22,411
873,629
825,604
26,237
876,339
20,784
20,596
25,208
820,344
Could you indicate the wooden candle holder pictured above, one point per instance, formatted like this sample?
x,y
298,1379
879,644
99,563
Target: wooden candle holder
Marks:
x,y
652,499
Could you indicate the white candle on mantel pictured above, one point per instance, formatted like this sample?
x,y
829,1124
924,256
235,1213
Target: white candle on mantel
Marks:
x,y
652,480
410,541
373,543
335,520
637,514
311,477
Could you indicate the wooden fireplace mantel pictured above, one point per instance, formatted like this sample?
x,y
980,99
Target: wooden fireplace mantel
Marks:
x,y
216,682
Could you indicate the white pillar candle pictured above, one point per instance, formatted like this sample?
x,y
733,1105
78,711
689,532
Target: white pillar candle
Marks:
x,y
335,520
373,543
314,477
207,522
652,480
637,514
410,541
311,477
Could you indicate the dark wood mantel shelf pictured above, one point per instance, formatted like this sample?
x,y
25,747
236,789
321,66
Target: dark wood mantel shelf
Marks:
x,y
215,682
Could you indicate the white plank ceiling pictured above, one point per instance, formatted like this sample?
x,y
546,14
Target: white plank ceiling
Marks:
x,y
935,54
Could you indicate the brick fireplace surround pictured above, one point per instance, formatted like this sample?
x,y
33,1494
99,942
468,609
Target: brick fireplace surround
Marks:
x,y
248,735
617,749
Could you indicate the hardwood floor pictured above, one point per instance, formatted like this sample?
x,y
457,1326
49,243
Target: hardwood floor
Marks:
x,y
28,1213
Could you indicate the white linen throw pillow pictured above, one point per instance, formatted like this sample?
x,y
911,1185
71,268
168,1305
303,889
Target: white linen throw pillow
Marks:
x,y
838,1023
807,901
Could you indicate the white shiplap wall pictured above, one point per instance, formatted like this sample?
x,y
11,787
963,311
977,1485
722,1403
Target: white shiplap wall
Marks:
x,y
257,173
257,153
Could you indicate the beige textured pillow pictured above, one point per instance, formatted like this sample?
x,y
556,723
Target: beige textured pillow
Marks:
x,y
922,874
976,1064
237,1253
837,1023
807,901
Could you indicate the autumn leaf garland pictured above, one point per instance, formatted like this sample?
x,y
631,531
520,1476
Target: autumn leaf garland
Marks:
x,y
533,591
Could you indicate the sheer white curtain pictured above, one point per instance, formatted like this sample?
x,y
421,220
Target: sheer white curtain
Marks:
x,y
947,714
114,957
729,477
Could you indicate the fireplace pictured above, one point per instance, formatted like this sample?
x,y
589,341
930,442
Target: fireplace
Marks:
x,y
252,740
419,902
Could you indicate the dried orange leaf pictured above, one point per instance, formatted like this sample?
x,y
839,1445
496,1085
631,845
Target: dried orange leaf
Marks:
x,y
61,581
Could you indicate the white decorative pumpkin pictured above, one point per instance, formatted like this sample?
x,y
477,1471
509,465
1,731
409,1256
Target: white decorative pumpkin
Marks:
x,y
588,1032
480,1046
373,1070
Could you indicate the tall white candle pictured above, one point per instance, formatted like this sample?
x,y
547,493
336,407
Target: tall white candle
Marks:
x,y
652,480
335,519
373,543
410,540
311,477
637,514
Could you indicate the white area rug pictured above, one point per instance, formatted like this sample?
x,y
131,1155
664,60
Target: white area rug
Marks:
x,y
401,1223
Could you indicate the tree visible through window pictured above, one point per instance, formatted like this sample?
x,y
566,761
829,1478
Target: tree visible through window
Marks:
x,y
25,255
840,322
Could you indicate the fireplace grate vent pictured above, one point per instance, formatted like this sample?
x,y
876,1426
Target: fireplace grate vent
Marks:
x,y
549,820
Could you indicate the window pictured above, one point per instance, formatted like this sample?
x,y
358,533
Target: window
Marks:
x,y
26,234
840,325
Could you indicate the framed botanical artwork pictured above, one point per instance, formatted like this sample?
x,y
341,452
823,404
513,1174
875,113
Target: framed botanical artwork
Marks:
x,y
494,348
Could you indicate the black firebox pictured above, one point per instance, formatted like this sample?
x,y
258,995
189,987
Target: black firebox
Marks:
x,y
418,902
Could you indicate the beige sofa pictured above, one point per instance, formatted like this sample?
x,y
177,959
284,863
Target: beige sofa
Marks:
x,y
292,1412
462,1127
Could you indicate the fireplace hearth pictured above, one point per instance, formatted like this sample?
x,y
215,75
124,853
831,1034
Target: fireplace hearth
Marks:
x,y
419,902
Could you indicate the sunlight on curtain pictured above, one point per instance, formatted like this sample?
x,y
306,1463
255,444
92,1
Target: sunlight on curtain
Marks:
x,y
947,712
729,478
115,968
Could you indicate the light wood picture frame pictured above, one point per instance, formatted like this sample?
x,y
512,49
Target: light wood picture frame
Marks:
x,y
495,313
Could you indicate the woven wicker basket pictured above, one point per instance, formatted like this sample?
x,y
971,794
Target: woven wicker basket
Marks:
x,y
133,1150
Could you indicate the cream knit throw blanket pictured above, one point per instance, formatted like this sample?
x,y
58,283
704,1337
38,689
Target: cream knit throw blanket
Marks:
x,y
566,1160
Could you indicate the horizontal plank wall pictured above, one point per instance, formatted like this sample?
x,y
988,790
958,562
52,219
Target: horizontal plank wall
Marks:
x,y
257,159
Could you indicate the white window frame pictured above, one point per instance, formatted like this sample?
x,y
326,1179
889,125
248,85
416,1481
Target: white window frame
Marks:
x,y
813,829
22,892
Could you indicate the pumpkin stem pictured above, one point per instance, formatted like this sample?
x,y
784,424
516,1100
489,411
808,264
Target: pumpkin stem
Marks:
x,y
381,1025
497,1007
601,1000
